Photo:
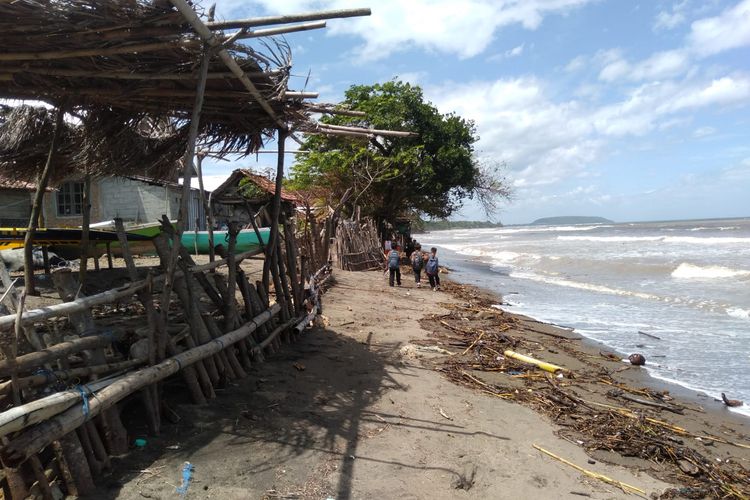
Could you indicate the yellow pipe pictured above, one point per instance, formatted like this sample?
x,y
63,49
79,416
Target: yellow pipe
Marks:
x,y
549,367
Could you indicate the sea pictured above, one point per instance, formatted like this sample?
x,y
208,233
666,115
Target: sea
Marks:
x,y
685,282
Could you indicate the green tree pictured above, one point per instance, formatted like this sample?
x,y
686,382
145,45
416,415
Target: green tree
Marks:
x,y
430,174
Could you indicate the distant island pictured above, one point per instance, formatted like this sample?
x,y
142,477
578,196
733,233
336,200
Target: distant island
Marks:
x,y
441,225
571,219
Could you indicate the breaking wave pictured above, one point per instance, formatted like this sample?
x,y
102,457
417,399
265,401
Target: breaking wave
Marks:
x,y
688,271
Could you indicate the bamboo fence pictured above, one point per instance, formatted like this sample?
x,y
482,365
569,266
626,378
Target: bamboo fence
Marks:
x,y
61,403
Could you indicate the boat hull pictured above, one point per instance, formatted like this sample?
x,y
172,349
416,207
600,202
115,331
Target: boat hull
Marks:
x,y
246,240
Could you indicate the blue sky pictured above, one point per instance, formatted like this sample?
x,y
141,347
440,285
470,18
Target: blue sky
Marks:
x,y
622,109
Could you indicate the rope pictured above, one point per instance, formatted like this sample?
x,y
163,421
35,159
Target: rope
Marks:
x,y
85,398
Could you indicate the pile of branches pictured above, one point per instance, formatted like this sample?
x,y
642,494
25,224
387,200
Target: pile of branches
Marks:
x,y
478,335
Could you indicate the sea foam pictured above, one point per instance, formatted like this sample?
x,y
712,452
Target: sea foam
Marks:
x,y
691,271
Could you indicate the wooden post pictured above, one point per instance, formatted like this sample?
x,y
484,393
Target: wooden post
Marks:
x,y
276,210
36,207
206,206
191,308
187,163
83,322
156,335
291,255
109,255
85,225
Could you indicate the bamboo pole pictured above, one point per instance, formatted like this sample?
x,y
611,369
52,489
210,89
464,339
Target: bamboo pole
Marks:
x,y
71,373
36,207
295,18
20,448
39,410
36,359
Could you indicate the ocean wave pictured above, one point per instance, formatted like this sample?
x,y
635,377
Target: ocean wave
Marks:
x,y
736,312
665,239
587,286
688,271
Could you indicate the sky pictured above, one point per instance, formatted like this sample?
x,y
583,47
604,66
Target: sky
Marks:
x,y
614,108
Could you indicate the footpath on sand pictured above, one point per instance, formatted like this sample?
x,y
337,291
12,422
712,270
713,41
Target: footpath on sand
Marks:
x,y
344,413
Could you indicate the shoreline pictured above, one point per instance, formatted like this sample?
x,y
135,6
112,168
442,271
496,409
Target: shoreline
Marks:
x,y
705,427
650,379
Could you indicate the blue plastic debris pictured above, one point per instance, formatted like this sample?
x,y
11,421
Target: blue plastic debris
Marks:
x,y
187,476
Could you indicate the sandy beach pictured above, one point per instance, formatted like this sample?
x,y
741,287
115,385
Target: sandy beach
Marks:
x,y
363,407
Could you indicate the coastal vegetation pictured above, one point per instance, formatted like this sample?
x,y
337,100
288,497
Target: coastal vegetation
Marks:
x,y
428,173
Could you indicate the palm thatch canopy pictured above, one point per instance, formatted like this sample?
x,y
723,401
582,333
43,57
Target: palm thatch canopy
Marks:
x,y
129,70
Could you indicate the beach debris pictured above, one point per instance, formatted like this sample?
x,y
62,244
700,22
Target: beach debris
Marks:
x,y
465,481
299,367
444,415
435,349
649,335
617,393
187,476
594,425
731,402
623,486
408,351
637,359
548,367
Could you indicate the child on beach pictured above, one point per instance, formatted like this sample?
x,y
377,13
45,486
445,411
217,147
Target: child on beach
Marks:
x,y
394,263
417,263
432,270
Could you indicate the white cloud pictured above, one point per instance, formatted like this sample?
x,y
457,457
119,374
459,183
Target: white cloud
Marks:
x,y
660,65
728,30
464,29
546,141
514,52
702,132
576,64
667,20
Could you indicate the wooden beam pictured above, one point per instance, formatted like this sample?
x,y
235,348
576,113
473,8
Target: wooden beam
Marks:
x,y
303,95
372,131
280,31
276,209
335,111
214,42
125,75
295,18
36,207
109,51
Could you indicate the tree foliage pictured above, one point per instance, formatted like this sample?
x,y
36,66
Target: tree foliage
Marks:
x,y
430,174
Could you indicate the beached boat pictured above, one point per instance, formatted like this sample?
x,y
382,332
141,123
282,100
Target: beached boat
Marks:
x,y
65,242
246,240
133,232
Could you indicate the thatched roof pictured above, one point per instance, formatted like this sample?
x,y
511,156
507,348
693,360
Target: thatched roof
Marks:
x,y
129,68
105,143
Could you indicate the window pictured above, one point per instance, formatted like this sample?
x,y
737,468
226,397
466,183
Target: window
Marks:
x,y
70,199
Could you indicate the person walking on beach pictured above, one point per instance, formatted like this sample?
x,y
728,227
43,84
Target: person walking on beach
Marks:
x,y
394,265
432,270
417,263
